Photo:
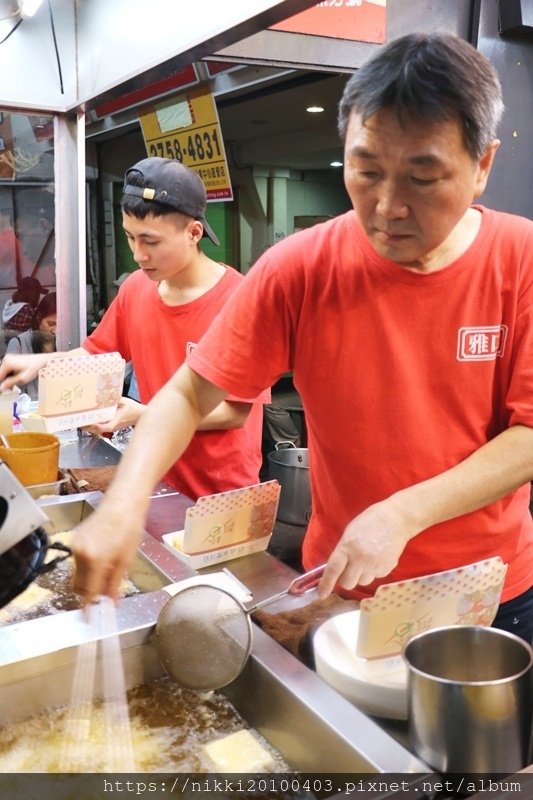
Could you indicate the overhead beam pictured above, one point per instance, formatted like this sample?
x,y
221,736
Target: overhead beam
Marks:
x,y
123,46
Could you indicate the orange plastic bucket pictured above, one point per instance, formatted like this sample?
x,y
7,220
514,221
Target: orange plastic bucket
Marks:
x,y
32,457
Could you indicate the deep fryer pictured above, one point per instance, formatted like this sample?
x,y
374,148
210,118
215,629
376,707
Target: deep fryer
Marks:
x,y
24,542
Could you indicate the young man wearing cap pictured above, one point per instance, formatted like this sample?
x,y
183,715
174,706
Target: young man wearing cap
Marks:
x,y
159,315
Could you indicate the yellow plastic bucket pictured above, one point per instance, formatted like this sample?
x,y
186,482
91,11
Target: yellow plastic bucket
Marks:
x,y
32,457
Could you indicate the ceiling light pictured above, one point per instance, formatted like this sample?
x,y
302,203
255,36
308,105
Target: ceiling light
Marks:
x,y
315,109
29,7
336,164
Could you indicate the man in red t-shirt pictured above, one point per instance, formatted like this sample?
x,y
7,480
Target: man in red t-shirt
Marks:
x,y
159,315
408,326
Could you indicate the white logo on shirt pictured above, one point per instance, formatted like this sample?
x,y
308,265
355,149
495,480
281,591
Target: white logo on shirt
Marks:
x,y
483,343
190,347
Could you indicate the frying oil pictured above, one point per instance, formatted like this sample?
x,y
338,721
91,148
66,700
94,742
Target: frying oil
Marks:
x,y
169,725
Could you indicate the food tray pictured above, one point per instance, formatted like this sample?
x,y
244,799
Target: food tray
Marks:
x,y
58,487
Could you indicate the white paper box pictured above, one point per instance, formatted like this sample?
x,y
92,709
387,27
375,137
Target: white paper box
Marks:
x,y
200,560
76,391
226,525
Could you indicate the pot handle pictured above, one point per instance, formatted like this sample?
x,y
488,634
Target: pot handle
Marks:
x,y
277,446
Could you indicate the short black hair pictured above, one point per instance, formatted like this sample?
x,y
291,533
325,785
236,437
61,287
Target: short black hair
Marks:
x,y
429,77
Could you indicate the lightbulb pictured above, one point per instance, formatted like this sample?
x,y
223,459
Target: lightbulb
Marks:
x,y
314,109
29,7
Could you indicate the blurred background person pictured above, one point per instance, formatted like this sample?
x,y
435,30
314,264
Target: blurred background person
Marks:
x,y
19,312
42,339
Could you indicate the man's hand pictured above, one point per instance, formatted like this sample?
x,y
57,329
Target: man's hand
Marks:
x,y
369,548
23,368
20,369
104,547
373,542
128,414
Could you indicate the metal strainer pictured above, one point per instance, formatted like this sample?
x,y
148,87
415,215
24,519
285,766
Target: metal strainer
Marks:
x,y
203,635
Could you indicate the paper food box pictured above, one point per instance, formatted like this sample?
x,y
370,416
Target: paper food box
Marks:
x,y
468,595
227,525
77,391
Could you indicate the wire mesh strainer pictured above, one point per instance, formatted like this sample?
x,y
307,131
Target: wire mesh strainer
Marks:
x,y
204,634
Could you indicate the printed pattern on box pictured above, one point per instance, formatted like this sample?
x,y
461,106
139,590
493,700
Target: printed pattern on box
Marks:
x,y
468,595
80,384
227,525
227,518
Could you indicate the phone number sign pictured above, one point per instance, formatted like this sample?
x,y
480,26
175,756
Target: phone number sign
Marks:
x,y
187,128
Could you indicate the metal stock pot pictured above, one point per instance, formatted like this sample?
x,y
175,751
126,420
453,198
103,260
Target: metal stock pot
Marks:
x,y
290,466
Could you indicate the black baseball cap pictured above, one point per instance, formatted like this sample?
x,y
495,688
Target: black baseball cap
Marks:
x,y
169,183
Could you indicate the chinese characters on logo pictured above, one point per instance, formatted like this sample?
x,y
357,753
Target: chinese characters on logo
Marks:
x,y
481,343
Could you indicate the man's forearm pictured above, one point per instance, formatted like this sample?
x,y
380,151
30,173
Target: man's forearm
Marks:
x,y
496,469
372,543
163,432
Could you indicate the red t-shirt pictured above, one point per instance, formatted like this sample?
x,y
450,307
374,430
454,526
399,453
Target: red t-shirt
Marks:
x,y
402,375
156,337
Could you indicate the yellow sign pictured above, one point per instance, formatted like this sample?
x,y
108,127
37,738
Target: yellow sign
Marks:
x,y
187,128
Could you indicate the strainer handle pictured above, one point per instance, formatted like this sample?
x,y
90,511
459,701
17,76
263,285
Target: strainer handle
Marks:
x,y
306,581
298,586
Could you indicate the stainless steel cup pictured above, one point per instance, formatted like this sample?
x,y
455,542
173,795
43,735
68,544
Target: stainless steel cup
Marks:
x,y
469,699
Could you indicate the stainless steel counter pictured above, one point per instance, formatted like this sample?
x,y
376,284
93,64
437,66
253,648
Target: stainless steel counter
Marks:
x,y
263,574
85,451
281,697
283,700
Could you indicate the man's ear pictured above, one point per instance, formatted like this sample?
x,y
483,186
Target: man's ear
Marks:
x,y
484,167
195,230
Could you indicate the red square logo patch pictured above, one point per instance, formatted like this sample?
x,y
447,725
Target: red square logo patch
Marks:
x,y
481,343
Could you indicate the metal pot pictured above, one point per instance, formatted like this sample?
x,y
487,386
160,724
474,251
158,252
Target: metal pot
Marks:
x,y
469,699
290,466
